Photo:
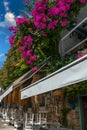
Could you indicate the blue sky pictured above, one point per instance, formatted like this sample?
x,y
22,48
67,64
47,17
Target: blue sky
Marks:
x,y
9,10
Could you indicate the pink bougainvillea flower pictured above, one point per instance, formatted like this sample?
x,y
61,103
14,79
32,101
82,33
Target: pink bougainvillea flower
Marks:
x,y
24,54
21,21
64,23
79,56
26,49
68,6
29,39
28,62
82,53
21,48
34,69
40,7
63,15
34,13
63,8
53,11
33,58
42,25
13,29
29,52
52,24
11,40
40,21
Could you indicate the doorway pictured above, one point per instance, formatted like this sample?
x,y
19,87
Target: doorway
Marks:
x,y
84,111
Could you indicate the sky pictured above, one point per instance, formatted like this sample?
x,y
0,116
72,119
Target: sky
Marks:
x,y
9,10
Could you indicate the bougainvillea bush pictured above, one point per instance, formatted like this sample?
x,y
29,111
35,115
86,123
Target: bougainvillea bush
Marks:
x,y
26,38
37,37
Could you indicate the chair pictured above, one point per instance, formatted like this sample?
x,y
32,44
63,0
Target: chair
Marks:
x,y
12,116
7,119
8,116
17,120
17,124
29,118
4,115
42,118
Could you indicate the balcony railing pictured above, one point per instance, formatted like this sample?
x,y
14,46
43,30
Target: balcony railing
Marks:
x,y
74,38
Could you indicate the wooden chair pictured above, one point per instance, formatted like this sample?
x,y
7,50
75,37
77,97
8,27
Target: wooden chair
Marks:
x,y
29,119
17,120
41,118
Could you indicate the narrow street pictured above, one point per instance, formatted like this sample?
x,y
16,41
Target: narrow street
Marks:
x,y
4,126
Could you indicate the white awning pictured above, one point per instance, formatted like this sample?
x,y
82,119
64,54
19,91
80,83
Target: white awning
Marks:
x,y
23,79
1,97
7,91
73,73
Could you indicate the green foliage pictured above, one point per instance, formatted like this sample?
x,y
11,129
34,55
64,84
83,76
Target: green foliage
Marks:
x,y
29,5
74,90
75,10
13,68
64,112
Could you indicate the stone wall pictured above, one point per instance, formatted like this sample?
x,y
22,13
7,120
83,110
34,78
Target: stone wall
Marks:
x,y
54,104
73,119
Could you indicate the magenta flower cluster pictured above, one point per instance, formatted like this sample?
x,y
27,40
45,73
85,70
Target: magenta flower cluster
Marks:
x,y
26,49
25,44
46,17
12,40
82,53
20,21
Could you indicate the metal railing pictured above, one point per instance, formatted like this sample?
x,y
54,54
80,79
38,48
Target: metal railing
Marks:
x,y
62,44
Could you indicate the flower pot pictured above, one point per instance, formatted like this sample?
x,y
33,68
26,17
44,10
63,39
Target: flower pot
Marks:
x,y
58,93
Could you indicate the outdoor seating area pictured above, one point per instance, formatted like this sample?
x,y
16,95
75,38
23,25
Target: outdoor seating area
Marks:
x,y
29,120
11,118
35,120
30,124
25,121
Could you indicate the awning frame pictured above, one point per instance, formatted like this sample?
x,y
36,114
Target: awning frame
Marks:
x,y
50,76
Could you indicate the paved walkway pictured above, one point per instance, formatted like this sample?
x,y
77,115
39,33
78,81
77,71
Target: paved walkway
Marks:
x,y
4,126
